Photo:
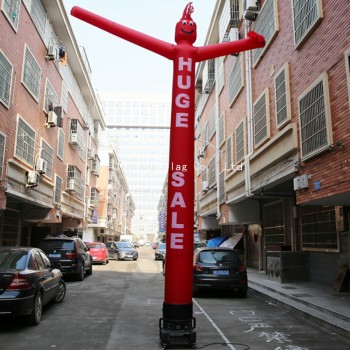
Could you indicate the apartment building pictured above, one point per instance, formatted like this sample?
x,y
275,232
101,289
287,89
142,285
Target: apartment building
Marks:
x,y
116,206
51,122
272,137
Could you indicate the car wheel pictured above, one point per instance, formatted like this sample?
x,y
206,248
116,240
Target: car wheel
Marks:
x,y
89,270
81,273
34,317
107,262
61,293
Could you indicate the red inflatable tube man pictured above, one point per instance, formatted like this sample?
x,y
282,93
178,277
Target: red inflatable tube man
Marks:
x,y
177,306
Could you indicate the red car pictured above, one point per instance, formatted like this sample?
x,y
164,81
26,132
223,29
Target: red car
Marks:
x,y
99,252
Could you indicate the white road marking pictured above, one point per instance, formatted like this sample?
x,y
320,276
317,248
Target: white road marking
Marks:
x,y
215,326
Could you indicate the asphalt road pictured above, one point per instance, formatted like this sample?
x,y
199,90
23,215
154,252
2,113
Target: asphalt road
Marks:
x,y
119,307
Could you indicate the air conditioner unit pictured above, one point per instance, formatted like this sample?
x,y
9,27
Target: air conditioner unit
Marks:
x,y
91,153
205,186
51,53
41,166
51,119
73,138
251,9
32,178
71,184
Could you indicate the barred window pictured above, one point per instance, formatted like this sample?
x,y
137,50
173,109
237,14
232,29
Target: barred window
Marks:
x,y
47,154
282,97
94,197
211,123
222,187
2,154
11,8
208,76
6,70
50,100
261,119
229,18
64,96
266,25
240,146
274,225
38,13
25,142
306,14
60,148
211,172
314,114
318,228
75,181
58,189
205,135
229,153
221,74
235,80
221,129
31,77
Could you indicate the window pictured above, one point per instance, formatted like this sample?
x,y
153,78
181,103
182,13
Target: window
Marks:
x,y
47,154
266,25
208,76
50,99
31,76
38,15
64,96
306,14
6,70
221,74
282,98
25,142
315,118
11,8
229,153
77,136
94,197
58,189
274,225
211,123
261,117
205,135
60,148
221,130
229,18
75,181
222,187
235,79
211,172
240,146
2,154
318,228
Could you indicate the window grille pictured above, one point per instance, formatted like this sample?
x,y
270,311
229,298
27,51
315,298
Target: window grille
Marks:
x,y
229,152
77,136
94,197
211,123
221,74
9,223
75,181
205,135
2,154
318,228
306,14
239,138
47,154
31,77
60,148
266,25
96,165
11,8
205,174
6,70
222,187
58,189
25,142
211,172
282,98
50,101
229,18
208,78
235,80
221,129
261,119
314,117
38,14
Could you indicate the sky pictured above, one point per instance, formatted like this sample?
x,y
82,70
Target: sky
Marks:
x,y
120,66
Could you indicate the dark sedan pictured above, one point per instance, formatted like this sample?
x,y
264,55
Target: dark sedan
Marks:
x,y
122,251
27,282
219,268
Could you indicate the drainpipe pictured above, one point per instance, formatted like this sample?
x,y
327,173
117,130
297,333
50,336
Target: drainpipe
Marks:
x,y
250,133
217,141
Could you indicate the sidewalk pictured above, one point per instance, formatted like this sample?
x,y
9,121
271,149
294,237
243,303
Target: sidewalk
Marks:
x,y
319,303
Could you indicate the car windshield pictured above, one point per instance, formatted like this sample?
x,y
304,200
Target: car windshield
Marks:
x,y
161,246
12,259
59,244
217,256
95,245
124,245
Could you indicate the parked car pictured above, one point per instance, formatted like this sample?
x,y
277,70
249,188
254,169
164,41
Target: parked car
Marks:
x,y
69,254
155,245
27,282
219,268
122,251
99,252
160,251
